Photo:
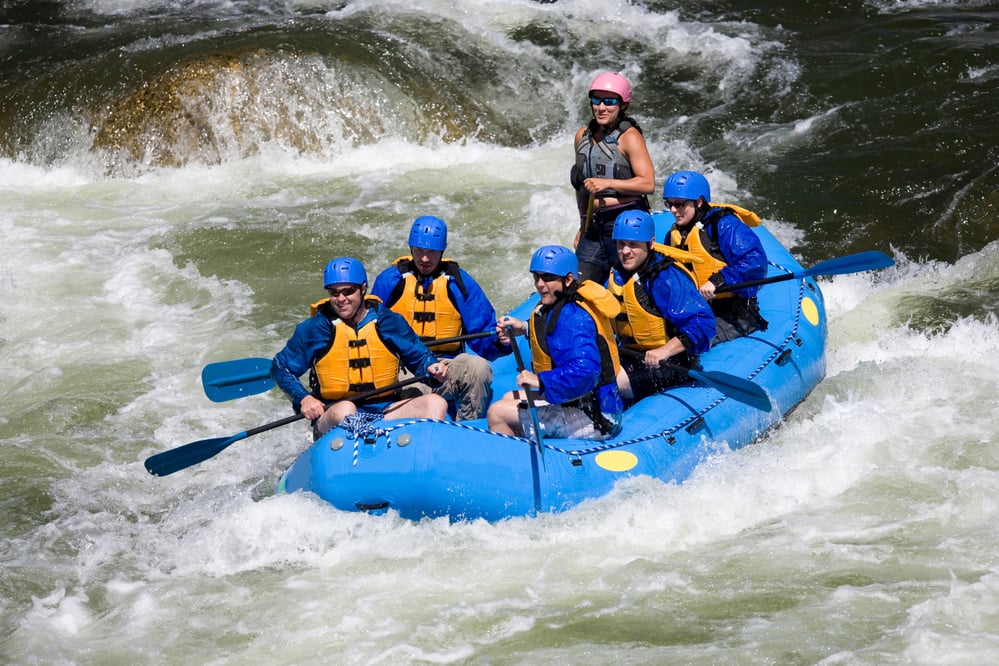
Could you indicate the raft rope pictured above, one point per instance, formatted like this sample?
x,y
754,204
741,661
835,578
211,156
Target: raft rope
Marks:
x,y
359,425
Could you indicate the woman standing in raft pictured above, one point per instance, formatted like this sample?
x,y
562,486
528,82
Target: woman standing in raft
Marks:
x,y
613,173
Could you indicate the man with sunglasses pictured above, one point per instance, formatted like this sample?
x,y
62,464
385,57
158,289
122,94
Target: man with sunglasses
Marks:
x,y
730,253
353,345
441,300
613,173
572,352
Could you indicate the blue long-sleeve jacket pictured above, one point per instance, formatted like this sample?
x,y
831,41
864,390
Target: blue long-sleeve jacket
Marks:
x,y
312,338
743,252
477,314
576,361
679,301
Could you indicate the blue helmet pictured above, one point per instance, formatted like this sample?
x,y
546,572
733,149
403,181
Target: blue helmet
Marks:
x,y
556,260
344,270
686,185
428,233
634,225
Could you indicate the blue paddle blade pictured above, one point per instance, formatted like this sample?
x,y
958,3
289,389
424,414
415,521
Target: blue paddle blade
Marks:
x,y
229,380
734,387
853,263
174,460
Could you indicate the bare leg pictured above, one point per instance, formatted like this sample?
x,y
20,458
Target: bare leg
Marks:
x,y
624,385
504,415
429,406
335,413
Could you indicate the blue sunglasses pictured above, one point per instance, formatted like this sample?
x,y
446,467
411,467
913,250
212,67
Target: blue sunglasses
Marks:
x,y
606,101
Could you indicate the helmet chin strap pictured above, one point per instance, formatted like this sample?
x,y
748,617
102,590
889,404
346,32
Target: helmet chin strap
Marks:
x,y
700,210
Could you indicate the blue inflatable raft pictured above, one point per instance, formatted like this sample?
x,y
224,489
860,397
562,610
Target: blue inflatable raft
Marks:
x,y
461,470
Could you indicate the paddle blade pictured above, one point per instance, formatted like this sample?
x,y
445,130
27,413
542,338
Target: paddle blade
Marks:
x,y
734,387
852,263
182,457
229,380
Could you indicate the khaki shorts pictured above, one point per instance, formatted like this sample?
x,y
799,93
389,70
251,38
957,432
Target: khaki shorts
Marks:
x,y
562,422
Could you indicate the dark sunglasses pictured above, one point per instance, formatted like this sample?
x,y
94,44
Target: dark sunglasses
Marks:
x,y
546,277
676,203
606,101
342,291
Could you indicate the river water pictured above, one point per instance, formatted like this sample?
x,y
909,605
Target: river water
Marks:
x,y
174,175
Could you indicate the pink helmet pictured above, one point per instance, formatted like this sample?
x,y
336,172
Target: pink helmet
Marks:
x,y
613,82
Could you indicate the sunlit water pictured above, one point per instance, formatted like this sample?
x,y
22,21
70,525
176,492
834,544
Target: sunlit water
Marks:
x,y
862,531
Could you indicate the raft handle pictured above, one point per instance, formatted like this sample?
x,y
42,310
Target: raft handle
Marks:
x,y
695,425
380,506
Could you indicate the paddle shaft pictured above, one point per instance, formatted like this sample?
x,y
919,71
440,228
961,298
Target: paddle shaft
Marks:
x,y
537,451
182,457
851,263
589,213
354,398
527,390
459,338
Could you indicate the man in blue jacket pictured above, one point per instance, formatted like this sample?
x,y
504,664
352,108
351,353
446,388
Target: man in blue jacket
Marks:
x,y
350,346
572,352
729,250
441,300
664,321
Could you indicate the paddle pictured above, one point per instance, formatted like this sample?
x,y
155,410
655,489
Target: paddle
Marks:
x,y
851,263
734,387
589,213
174,460
228,380
527,391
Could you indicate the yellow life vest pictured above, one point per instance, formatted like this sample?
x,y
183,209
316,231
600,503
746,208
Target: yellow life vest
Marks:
x,y
697,242
430,313
356,361
602,307
683,258
748,217
641,326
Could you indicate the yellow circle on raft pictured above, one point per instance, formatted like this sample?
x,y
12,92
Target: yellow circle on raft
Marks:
x,y
810,310
616,461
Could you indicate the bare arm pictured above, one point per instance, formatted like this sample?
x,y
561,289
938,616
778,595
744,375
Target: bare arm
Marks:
x,y
653,357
